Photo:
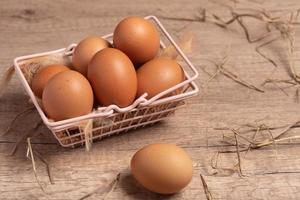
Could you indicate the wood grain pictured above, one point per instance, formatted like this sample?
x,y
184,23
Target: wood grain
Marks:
x,y
35,26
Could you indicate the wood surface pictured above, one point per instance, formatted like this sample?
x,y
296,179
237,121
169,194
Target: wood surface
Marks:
x,y
34,26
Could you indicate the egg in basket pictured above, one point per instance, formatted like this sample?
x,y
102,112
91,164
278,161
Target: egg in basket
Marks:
x,y
110,84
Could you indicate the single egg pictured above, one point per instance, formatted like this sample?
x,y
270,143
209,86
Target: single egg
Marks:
x,y
113,78
67,95
138,38
158,75
162,168
41,78
85,50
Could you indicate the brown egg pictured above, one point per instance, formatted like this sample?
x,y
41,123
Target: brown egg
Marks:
x,y
158,75
67,95
85,50
40,79
113,78
162,168
138,38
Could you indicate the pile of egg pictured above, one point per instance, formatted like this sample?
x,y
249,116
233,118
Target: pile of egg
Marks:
x,y
103,74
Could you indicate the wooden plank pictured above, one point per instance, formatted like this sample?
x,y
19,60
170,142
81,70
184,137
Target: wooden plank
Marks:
x,y
274,177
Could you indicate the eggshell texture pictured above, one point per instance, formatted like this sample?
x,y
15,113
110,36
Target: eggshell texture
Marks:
x,y
162,168
138,38
158,75
113,78
40,79
67,95
85,51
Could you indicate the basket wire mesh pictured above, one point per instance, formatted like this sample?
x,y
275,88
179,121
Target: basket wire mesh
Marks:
x,y
111,120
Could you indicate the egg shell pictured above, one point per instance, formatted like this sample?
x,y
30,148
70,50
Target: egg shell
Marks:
x,y
162,168
158,75
113,78
85,51
67,94
40,79
138,38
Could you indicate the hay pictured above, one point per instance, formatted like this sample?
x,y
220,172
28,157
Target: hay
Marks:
x,y
253,143
31,157
21,114
5,79
112,185
49,174
185,43
278,24
28,133
87,128
238,155
220,68
206,190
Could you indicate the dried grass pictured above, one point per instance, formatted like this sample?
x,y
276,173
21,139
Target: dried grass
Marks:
x,y
27,134
238,155
185,43
253,143
206,189
5,79
22,113
258,50
200,17
31,153
233,76
87,128
38,154
214,163
279,24
31,157
111,187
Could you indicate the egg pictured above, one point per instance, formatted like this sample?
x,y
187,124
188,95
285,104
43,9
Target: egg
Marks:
x,y
40,79
66,95
138,38
157,75
85,50
162,168
113,78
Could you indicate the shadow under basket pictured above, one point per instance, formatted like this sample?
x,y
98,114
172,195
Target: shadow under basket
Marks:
x,y
111,120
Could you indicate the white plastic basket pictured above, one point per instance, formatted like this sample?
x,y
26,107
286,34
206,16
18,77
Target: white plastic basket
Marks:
x,y
112,119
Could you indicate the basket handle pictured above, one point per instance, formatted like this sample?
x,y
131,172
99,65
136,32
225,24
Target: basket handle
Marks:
x,y
181,53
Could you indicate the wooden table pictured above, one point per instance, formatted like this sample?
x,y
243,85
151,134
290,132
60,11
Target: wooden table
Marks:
x,y
269,173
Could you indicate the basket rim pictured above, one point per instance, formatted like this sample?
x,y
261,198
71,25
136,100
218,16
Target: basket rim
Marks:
x,y
107,111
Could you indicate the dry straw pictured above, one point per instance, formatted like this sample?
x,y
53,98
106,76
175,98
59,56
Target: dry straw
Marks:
x,y
31,66
281,25
286,32
31,157
112,185
185,42
21,114
206,189
29,133
253,143
9,72
87,128
220,68
31,153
